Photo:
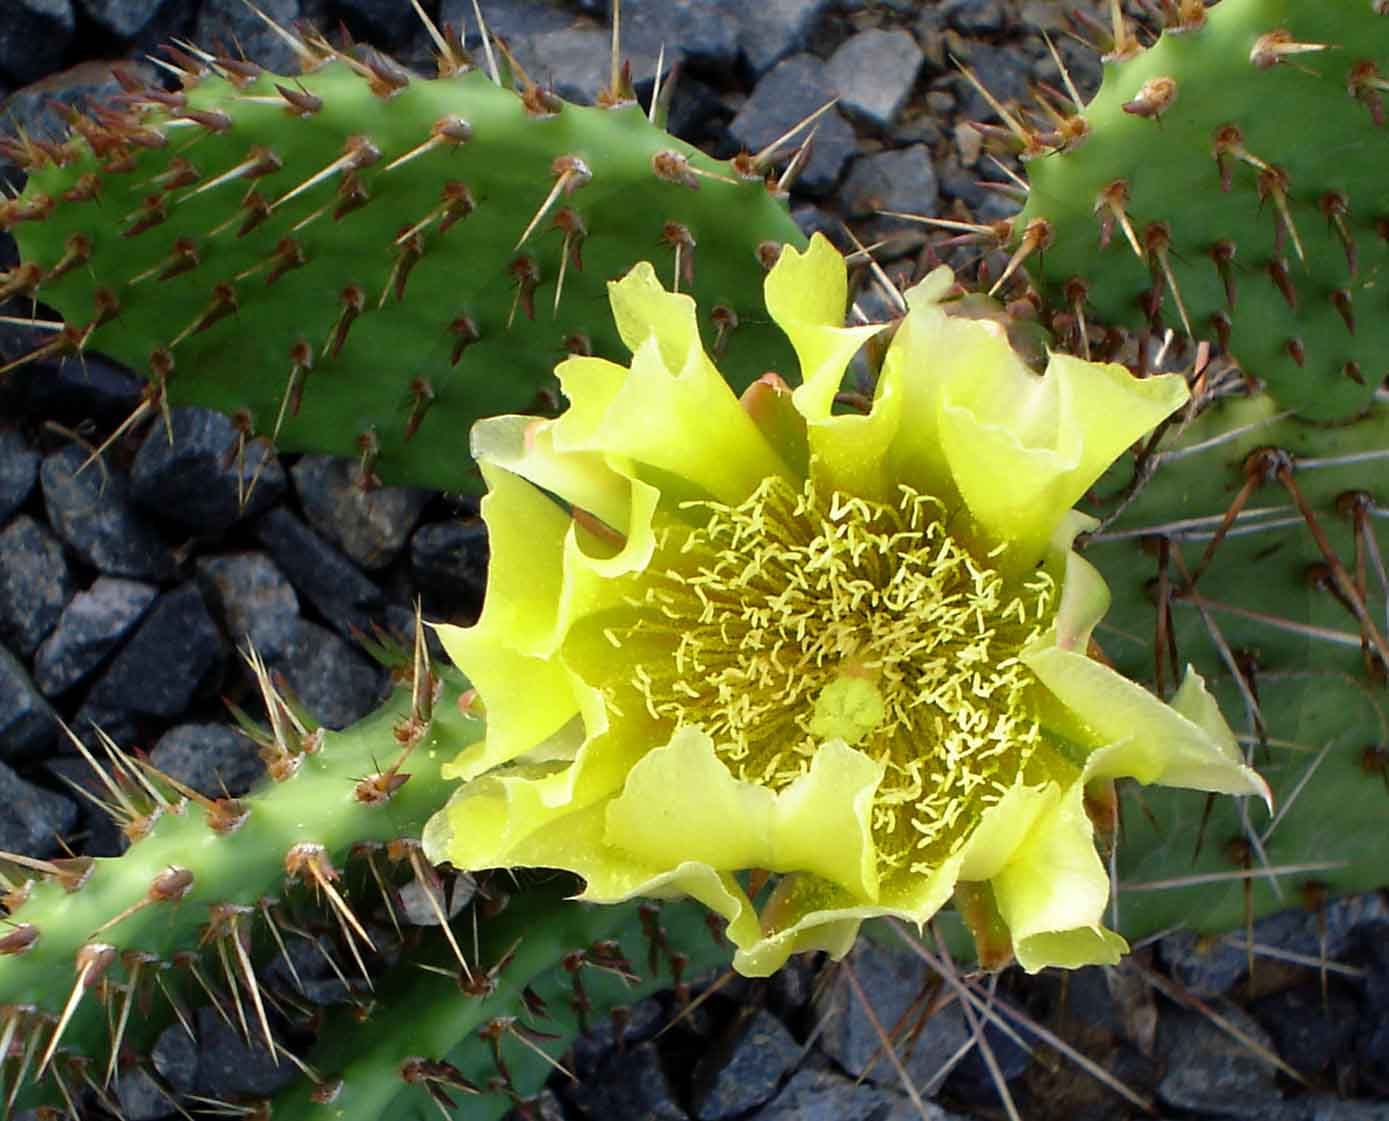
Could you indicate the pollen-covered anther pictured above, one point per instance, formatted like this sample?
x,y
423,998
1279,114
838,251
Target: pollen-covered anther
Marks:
x,y
1279,46
1111,204
1365,83
1154,98
798,616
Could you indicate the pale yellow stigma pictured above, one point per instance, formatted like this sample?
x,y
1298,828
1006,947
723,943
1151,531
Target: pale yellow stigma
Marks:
x,y
795,618
848,708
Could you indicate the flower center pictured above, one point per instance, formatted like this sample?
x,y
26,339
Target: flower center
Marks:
x,y
792,619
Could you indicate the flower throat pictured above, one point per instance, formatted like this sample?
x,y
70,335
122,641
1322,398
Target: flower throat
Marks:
x,y
794,618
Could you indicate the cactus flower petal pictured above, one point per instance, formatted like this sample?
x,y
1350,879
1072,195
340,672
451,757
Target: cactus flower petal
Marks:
x,y
813,666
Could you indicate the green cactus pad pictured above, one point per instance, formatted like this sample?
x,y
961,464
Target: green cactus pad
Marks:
x,y
382,252
1244,152
1309,701
552,966
202,876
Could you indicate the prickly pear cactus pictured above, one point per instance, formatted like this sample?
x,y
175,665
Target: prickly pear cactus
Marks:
x,y
359,261
88,941
1226,183
98,956
481,1042
1250,547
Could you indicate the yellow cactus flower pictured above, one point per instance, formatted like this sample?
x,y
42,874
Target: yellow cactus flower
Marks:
x,y
838,664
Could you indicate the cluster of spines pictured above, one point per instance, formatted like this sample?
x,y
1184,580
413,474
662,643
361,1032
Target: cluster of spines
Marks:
x,y
483,1038
177,914
1226,243
371,226
1245,541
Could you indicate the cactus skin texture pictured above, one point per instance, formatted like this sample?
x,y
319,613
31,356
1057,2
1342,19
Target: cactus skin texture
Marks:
x,y
552,968
1227,183
204,878
1291,643
360,262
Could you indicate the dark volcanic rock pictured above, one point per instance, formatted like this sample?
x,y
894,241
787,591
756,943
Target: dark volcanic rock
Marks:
x,y
772,29
27,724
903,180
253,599
205,479
34,819
893,984
1210,1072
228,22
631,1083
450,559
123,18
34,584
176,655
874,73
19,467
745,1070
334,680
370,526
103,834
229,1067
320,573
33,36
91,511
214,759
94,389
92,625
141,1097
